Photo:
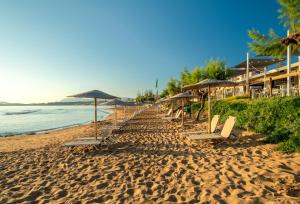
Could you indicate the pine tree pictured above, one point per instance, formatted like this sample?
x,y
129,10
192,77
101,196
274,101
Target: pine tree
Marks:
x,y
271,45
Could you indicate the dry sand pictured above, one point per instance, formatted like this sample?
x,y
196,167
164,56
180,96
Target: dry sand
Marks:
x,y
149,163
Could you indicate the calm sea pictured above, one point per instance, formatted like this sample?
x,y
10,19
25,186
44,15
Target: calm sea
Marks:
x,y
28,119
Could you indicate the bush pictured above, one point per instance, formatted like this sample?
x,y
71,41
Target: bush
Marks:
x,y
196,106
278,118
278,135
290,145
237,97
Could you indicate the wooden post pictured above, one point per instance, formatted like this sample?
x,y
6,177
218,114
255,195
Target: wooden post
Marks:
x,y
299,75
116,114
182,119
288,68
95,101
124,116
247,75
233,90
270,82
209,107
265,76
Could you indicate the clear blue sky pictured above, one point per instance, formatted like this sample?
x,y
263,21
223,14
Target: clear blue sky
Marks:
x,y
50,49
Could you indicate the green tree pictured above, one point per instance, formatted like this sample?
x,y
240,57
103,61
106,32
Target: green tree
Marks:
x,y
289,15
164,93
188,78
197,74
216,69
185,77
148,95
173,86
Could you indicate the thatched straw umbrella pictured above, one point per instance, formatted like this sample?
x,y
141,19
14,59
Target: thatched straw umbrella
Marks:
x,y
95,94
210,83
181,96
115,102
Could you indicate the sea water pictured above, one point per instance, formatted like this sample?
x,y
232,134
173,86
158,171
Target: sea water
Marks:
x,y
29,119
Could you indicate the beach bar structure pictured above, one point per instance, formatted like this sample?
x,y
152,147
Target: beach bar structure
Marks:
x,y
263,77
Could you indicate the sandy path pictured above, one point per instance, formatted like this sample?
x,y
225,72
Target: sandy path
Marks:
x,y
151,162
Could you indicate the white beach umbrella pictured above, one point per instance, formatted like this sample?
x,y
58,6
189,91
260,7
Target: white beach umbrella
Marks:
x,y
115,102
181,96
95,94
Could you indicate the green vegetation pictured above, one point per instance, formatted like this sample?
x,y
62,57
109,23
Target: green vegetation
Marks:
x,y
148,95
187,78
289,15
214,69
197,106
173,87
278,118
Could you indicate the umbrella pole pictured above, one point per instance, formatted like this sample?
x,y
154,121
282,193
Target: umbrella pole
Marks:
x,y
124,117
95,100
182,108
209,109
116,114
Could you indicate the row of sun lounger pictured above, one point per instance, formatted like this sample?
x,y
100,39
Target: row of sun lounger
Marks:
x,y
225,133
169,116
203,135
107,135
108,132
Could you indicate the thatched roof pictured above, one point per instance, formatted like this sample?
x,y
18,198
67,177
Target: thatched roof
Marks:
x,y
181,96
292,39
210,82
94,94
114,102
259,63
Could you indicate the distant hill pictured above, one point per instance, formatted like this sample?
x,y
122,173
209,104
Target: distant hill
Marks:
x,y
65,101
72,100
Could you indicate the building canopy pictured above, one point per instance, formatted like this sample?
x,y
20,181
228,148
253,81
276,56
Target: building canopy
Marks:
x,y
255,64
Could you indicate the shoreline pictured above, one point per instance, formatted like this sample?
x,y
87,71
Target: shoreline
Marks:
x,y
53,137
43,131
47,131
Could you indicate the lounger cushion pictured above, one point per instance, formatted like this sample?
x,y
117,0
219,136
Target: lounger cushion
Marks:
x,y
83,142
204,136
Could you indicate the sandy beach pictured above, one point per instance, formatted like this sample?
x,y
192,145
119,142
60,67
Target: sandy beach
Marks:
x,y
149,162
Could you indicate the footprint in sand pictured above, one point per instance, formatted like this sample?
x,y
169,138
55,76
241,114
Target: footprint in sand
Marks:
x,y
102,185
294,193
172,198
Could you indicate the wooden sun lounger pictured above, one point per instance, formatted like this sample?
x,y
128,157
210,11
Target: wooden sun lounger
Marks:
x,y
83,142
167,114
177,115
225,133
214,123
104,139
